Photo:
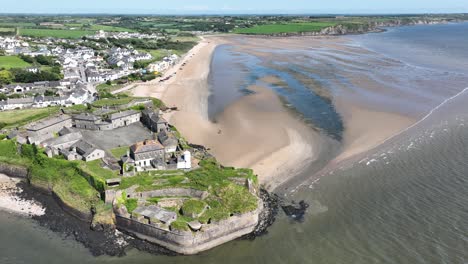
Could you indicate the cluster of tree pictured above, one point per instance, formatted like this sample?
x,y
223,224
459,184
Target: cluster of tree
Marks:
x,y
24,76
40,59
142,64
165,43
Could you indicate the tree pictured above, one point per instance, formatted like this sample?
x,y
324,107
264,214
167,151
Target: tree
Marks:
x,y
49,93
45,60
27,58
6,77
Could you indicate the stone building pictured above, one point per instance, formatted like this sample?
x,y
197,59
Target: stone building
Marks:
x,y
86,121
50,125
153,121
168,140
154,215
144,155
124,118
83,150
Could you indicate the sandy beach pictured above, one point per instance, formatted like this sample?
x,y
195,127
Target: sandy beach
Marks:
x,y
256,131
11,202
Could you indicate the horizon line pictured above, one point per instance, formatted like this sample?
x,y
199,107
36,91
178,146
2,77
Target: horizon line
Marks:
x,y
236,14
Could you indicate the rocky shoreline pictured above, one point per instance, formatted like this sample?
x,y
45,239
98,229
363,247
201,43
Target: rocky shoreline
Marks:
x,y
105,240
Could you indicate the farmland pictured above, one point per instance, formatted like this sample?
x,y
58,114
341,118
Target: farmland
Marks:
x,y
285,28
9,62
56,33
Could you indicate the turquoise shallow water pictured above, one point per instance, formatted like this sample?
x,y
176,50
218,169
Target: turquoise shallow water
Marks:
x,y
406,202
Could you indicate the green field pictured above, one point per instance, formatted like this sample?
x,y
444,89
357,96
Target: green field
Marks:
x,y
16,118
119,152
19,24
7,29
56,33
8,62
284,28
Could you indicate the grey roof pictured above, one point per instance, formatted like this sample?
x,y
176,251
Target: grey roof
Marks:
x,y
65,131
167,138
146,146
123,114
43,123
86,117
127,159
42,98
84,148
27,100
154,211
63,139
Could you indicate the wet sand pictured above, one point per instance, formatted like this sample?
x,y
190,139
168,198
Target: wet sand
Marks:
x,y
257,131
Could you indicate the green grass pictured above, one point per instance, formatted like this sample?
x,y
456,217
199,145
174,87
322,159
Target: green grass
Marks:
x,y
112,101
17,118
285,28
19,24
63,177
9,154
131,204
179,225
94,169
56,33
225,197
7,29
193,207
157,54
9,62
119,152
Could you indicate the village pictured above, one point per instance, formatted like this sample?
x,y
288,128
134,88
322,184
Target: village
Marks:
x,y
111,159
82,68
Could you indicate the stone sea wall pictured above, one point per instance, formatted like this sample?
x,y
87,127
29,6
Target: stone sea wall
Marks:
x,y
13,171
187,242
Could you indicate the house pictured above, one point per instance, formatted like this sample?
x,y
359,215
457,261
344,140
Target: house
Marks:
x,y
168,140
62,142
79,96
153,121
184,161
154,215
16,103
54,145
83,150
32,69
45,101
124,118
20,88
86,121
145,154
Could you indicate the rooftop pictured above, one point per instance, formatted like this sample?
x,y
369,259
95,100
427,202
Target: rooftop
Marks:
x,y
123,114
145,146
44,123
156,212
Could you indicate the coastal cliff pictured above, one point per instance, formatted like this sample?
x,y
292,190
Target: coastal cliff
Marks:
x,y
363,27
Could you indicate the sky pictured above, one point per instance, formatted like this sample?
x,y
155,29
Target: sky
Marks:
x,y
234,6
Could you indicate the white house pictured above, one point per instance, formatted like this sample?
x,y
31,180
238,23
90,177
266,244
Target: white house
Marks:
x,y
185,161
